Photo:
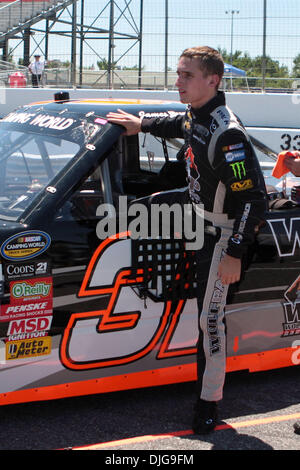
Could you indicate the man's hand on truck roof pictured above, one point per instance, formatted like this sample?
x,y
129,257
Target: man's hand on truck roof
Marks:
x,y
131,123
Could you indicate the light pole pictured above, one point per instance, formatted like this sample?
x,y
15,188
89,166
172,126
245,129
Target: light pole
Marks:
x,y
263,72
232,12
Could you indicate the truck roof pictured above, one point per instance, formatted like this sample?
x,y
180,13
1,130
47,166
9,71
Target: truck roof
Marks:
x,y
103,106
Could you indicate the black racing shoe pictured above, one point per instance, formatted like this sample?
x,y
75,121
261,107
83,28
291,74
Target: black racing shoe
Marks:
x,y
205,416
297,427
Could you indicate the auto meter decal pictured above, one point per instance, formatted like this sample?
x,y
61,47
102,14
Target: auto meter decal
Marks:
x,y
25,245
28,348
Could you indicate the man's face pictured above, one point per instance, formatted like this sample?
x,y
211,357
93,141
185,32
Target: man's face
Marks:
x,y
193,86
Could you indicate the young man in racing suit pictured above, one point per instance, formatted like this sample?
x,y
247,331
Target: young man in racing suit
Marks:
x,y
224,176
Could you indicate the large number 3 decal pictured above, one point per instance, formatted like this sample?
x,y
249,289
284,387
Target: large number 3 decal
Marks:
x,y
118,334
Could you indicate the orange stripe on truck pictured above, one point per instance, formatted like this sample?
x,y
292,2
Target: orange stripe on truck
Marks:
x,y
185,373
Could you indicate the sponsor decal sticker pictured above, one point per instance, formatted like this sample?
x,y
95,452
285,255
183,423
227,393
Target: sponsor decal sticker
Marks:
x,y
29,328
26,310
101,121
233,147
30,289
162,114
223,115
2,290
235,156
244,218
242,185
237,238
212,318
24,270
238,169
41,120
25,245
28,348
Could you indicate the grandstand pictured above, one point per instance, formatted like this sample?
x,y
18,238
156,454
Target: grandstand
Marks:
x,y
18,21
17,17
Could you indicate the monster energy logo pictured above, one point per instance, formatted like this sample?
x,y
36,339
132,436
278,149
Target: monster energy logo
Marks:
x,y
238,169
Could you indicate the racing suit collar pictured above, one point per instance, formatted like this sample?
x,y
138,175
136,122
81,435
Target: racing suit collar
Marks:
x,y
201,114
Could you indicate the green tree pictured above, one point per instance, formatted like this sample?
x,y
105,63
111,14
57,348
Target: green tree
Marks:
x,y
134,67
296,68
58,64
103,65
253,68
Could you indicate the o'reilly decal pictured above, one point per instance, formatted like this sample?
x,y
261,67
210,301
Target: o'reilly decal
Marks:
x,y
40,288
25,245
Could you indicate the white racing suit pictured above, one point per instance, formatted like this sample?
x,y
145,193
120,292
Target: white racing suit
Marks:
x,y
224,177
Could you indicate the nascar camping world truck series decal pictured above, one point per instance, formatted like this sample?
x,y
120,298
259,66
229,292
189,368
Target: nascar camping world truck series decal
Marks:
x,y
25,245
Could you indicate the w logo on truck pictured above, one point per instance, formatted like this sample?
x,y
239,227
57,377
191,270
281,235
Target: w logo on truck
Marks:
x,y
291,326
286,235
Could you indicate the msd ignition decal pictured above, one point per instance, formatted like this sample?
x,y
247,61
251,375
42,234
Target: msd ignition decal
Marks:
x,y
29,328
291,326
130,327
25,245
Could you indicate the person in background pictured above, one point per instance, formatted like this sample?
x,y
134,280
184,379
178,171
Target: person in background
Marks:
x,y
36,69
224,176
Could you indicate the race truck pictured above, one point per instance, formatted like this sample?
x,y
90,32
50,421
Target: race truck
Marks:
x,y
86,307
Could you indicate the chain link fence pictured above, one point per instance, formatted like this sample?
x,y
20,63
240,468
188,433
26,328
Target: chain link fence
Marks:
x,y
136,43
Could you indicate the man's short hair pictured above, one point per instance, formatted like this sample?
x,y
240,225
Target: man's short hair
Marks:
x,y
210,60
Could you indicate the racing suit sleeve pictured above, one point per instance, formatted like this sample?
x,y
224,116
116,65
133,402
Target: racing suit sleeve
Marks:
x,y
168,127
238,169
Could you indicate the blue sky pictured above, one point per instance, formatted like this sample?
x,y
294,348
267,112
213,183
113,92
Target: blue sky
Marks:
x,y
192,22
